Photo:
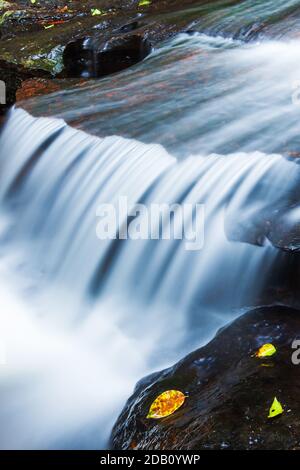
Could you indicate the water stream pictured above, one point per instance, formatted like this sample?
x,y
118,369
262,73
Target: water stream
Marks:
x,y
204,120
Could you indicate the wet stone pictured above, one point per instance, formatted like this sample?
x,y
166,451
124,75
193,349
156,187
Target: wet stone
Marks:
x,y
229,392
86,58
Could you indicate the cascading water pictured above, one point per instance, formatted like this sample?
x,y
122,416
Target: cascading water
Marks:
x,y
195,95
100,311
83,319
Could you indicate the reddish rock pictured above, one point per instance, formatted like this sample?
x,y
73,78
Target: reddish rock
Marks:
x,y
40,86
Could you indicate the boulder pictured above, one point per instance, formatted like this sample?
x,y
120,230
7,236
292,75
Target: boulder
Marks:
x,y
89,58
229,392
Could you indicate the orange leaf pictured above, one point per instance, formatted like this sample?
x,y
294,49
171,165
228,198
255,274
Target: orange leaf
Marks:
x,y
166,404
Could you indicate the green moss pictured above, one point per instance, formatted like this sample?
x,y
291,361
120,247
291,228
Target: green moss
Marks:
x,y
51,61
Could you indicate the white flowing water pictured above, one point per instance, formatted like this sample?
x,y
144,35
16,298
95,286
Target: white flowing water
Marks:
x,y
195,95
203,120
92,317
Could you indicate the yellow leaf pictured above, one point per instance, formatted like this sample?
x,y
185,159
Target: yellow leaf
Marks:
x,y
96,12
166,404
276,409
144,3
266,350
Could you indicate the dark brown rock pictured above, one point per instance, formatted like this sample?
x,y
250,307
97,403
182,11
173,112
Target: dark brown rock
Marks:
x,y
285,230
34,36
229,392
27,40
89,58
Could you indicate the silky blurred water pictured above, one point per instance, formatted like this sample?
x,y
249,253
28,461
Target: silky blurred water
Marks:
x,y
204,119
196,94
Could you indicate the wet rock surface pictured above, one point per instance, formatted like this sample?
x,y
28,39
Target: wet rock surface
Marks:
x,y
45,46
13,75
86,58
229,392
276,222
35,36
43,86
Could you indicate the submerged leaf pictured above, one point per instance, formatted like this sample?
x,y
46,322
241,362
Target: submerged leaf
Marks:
x,y
266,350
166,404
276,409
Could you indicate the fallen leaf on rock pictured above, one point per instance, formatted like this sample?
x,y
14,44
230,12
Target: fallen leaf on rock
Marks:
x,y
276,409
166,404
63,9
266,350
144,3
4,16
96,12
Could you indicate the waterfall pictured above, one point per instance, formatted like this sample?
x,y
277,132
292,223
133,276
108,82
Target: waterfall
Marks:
x,y
83,319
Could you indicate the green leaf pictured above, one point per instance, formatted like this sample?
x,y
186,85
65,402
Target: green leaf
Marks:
x,y
144,3
276,409
96,12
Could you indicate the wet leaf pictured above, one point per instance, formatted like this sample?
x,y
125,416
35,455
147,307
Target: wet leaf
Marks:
x,y
144,3
166,404
4,16
96,12
266,350
276,409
